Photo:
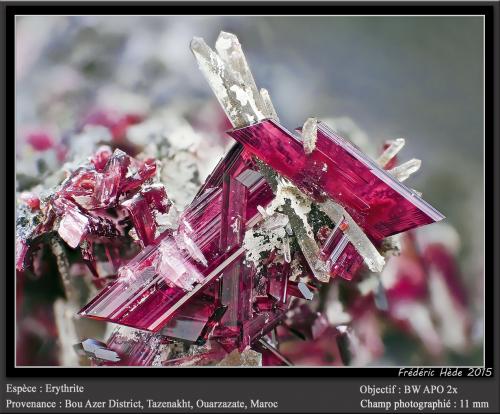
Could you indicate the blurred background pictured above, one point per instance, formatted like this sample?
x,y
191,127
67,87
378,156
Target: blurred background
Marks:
x,y
372,78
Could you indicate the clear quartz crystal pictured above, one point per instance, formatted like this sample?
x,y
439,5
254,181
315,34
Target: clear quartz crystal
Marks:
x,y
90,345
373,259
380,296
295,206
402,172
286,249
229,49
262,211
270,112
99,350
306,292
229,76
106,355
274,222
391,151
310,134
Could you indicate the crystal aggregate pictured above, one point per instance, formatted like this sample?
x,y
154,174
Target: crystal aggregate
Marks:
x,y
234,271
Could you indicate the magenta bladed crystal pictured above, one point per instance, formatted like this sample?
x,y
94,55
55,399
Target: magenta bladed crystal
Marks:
x,y
135,348
340,255
168,274
336,169
142,218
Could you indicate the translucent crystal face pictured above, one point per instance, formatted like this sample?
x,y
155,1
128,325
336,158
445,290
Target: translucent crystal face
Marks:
x,y
163,281
337,170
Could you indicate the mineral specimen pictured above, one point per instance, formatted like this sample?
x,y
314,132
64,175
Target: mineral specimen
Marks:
x,y
337,170
280,215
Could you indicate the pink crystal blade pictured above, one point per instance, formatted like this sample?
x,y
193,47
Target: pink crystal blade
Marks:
x,y
340,255
379,203
154,285
142,218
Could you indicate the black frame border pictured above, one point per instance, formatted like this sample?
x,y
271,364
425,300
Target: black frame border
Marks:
x,y
490,10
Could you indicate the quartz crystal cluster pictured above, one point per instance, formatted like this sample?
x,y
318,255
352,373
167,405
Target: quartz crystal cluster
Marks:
x,y
224,281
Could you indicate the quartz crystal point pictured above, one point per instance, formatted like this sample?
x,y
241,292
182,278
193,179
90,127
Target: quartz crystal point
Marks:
x,y
270,112
296,206
336,169
309,134
235,90
229,49
309,324
309,248
388,157
350,232
402,172
99,350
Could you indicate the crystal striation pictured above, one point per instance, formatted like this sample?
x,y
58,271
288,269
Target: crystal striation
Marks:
x,y
336,169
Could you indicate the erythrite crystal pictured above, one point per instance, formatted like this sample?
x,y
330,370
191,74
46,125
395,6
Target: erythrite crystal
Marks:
x,y
101,157
76,224
31,200
309,324
168,274
339,254
142,218
299,290
193,322
108,183
73,226
269,107
380,204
